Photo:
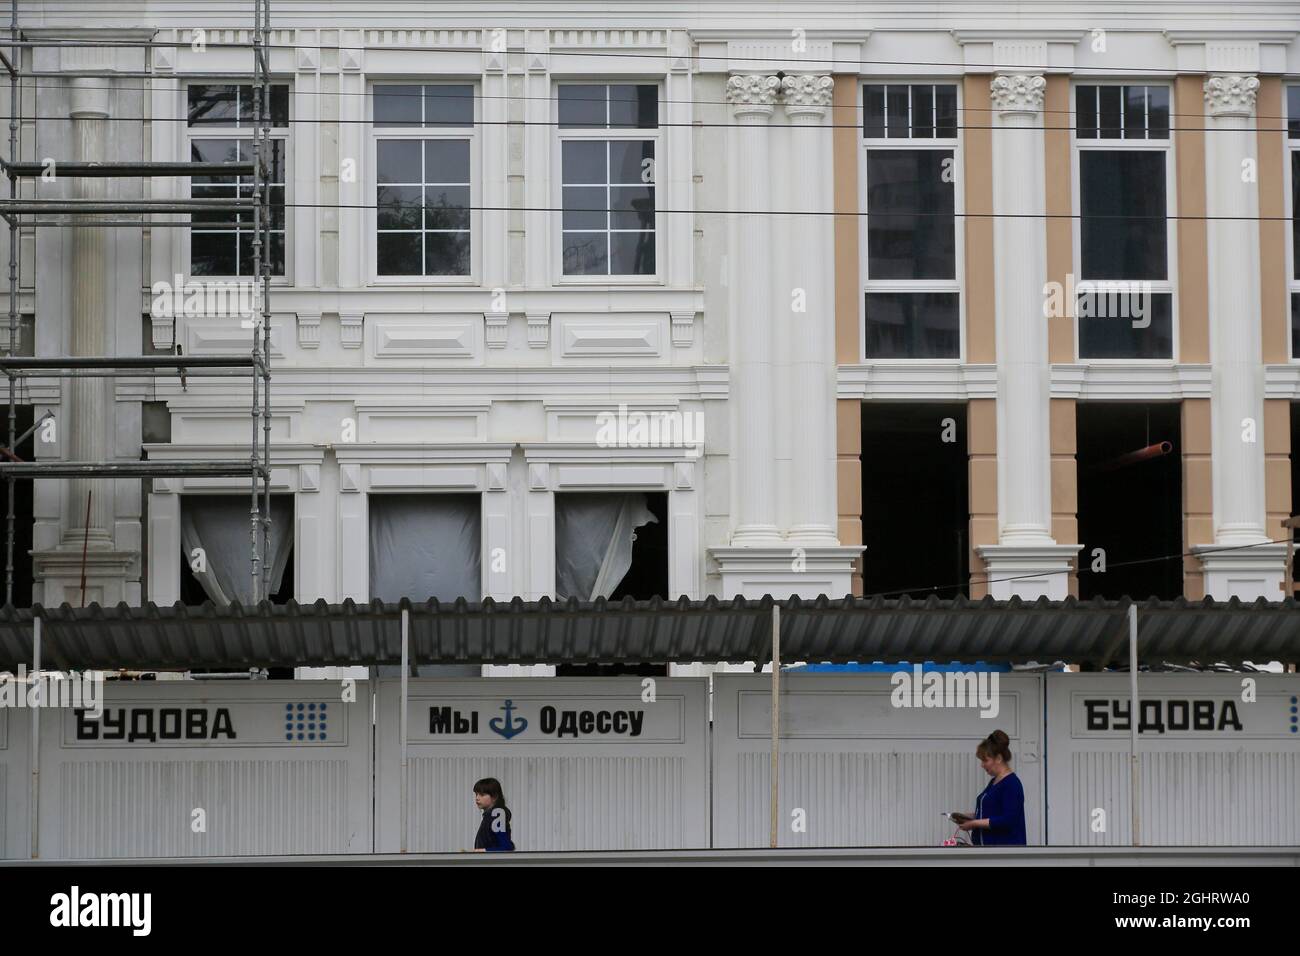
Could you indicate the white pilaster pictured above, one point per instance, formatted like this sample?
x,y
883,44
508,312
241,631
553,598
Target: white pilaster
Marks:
x,y
812,358
1026,561
752,99
1236,402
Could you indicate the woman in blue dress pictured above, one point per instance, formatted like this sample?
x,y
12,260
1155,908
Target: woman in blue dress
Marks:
x,y
999,818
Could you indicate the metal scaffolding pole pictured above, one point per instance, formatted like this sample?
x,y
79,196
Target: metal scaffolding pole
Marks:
x,y
263,17
10,525
19,212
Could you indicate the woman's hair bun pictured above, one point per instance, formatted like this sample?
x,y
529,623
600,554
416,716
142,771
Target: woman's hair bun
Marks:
x,y
996,744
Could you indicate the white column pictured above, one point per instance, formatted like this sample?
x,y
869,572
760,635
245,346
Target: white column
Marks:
x,y
1026,561
1237,399
752,99
90,400
812,355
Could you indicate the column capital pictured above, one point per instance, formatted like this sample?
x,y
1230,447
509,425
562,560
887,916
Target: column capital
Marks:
x,y
1018,92
807,93
1231,94
752,93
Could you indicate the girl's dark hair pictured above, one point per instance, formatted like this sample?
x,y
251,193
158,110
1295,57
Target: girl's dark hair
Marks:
x,y
492,787
996,744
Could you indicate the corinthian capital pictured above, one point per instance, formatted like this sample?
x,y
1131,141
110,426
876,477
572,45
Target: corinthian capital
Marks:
x,y
1231,94
752,93
807,94
1018,92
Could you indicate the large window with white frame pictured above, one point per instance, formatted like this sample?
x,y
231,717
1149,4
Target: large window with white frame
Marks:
x,y
1293,159
220,128
1124,302
424,148
608,148
912,290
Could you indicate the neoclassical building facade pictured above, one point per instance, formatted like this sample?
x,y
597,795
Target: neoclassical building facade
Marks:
x,y
610,300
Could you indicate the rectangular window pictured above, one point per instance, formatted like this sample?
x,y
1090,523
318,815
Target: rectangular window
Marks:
x,y
608,137
1122,112
220,127
423,180
1293,154
1124,300
912,293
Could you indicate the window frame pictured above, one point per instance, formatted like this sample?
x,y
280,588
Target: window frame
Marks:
x,y
957,284
605,134
283,134
420,133
1291,150
1168,285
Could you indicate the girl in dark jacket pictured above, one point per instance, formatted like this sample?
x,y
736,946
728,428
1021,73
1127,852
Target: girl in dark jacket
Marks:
x,y
494,829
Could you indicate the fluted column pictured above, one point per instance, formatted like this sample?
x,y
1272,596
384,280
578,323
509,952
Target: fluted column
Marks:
x,y
86,415
1237,396
1020,270
812,356
1026,562
752,99
1234,312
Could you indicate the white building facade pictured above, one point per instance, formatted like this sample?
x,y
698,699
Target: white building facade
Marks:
x,y
548,276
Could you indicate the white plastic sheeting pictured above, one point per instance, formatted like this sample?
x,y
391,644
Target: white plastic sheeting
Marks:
x,y
425,546
220,526
589,764
862,771
1218,760
593,541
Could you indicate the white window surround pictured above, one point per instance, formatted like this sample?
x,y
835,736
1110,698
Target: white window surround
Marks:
x,y
958,283
366,469
371,172
559,468
1169,285
189,133
295,471
660,135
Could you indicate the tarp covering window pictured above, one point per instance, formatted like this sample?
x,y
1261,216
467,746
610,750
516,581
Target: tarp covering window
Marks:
x,y
425,546
220,526
593,541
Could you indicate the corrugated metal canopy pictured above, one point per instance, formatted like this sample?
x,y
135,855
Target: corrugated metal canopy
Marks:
x,y
823,629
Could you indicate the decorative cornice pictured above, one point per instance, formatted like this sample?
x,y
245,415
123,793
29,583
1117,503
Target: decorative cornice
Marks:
x,y
1231,94
1018,92
808,93
752,93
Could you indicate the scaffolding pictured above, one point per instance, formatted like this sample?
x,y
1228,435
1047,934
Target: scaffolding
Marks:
x,y
90,213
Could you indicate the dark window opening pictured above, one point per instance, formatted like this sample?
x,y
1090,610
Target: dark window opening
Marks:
x,y
227,545
915,499
1130,500
23,520
577,516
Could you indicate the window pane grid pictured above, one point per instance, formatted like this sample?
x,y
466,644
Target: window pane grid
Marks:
x,y
221,243
607,184
909,111
912,296
1121,112
433,237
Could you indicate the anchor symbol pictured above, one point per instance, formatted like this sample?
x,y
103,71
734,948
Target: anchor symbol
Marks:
x,y
505,726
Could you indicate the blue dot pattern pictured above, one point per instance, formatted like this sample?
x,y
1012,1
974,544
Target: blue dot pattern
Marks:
x,y
1295,724
300,722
